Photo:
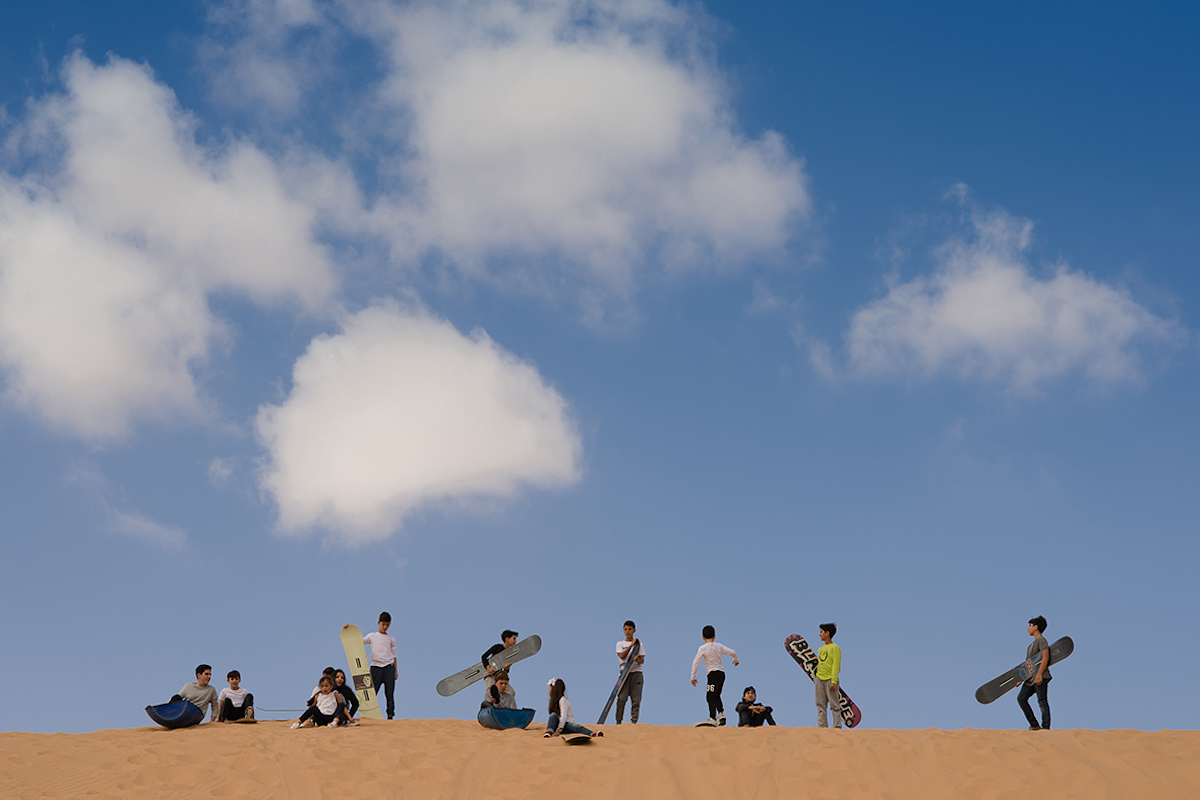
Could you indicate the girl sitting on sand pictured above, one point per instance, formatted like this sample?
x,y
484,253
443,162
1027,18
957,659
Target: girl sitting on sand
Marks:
x,y
339,683
562,718
325,707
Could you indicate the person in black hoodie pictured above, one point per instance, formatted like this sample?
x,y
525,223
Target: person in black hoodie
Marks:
x,y
339,683
751,713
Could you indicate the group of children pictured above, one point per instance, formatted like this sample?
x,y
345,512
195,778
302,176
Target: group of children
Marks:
x,y
751,713
234,704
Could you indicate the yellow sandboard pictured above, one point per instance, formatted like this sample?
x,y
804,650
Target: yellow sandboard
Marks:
x,y
360,672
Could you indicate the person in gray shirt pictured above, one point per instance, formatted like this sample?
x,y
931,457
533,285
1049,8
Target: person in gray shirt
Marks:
x,y
1039,683
200,694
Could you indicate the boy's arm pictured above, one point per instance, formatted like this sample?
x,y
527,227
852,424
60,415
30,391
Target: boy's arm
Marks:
x,y
1045,651
835,663
695,666
729,652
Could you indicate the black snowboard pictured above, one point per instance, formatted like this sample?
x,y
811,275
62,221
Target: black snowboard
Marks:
x,y
992,690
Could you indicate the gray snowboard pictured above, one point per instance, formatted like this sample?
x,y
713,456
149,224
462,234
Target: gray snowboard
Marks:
x,y
992,690
511,655
626,668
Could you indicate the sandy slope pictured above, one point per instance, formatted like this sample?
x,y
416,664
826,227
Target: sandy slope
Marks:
x,y
454,758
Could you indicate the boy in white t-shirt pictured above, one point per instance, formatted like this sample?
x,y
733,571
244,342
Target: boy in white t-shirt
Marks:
x,y
235,703
383,661
711,653
632,688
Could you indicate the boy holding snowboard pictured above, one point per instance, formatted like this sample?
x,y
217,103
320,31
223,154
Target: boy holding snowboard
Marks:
x,y
829,667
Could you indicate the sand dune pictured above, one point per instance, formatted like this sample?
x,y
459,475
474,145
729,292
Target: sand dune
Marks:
x,y
455,758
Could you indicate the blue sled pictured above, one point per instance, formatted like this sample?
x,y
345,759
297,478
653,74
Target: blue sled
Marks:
x,y
176,715
503,718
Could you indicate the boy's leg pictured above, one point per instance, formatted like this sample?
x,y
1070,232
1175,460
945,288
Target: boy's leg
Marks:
x,y
716,682
1023,696
822,702
389,684
622,696
1043,695
767,716
248,706
635,695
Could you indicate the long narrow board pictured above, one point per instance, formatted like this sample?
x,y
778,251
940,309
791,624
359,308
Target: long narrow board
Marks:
x,y
994,689
502,660
623,676
576,738
360,672
803,655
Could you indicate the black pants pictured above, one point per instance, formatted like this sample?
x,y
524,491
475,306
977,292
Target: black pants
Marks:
x,y
716,682
231,712
1027,692
320,719
385,677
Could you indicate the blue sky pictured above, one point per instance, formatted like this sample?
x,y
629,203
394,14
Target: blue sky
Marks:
x,y
549,315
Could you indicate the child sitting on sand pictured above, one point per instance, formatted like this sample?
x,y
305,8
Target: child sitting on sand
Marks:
x,y
751,713
339,683
500,694
235,703
562,717
325,707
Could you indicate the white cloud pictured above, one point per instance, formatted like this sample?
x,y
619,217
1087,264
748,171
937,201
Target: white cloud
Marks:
x,y
556,145
112,240
399,411
146,530
984,314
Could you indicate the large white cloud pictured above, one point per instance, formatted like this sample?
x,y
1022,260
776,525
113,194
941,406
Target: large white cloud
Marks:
x,y
399,411
554,145
984,313
112,239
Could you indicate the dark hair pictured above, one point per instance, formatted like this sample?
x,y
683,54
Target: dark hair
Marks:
x,y
501,675
556,692
507,633
203,668
709,632
329,672
830,628
749,689
233,673
1040,621
629,624
385,616
327,679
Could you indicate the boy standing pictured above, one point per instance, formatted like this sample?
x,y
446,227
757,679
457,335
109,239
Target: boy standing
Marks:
x,y
383,661
200,694
632,688
711,653
235,702
829,667
1039,683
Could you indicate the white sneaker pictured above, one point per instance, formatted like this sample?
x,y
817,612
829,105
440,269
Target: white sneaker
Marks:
x,y
333,723
721,718
295,725
712,721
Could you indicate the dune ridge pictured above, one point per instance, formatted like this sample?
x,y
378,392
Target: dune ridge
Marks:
x,y
457,758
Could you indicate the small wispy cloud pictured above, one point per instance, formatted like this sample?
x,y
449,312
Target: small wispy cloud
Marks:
x,y
119,520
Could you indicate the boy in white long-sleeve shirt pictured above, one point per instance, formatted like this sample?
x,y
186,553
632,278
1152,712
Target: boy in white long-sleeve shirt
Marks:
x,y
711,653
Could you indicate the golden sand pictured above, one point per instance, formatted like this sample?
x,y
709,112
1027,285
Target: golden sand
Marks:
x,y
459,759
